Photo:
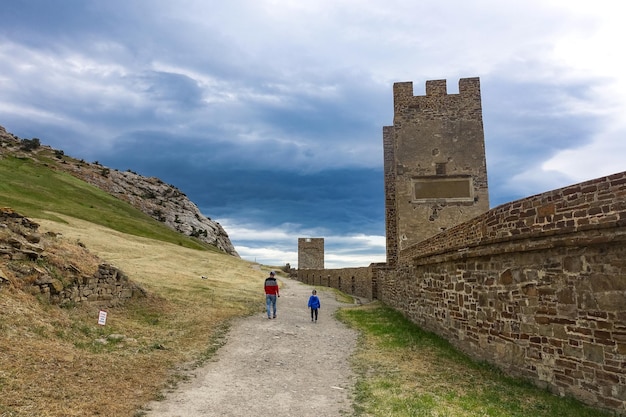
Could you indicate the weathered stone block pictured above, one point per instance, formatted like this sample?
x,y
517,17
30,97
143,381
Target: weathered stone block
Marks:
x,y
593,352
612,300
566,296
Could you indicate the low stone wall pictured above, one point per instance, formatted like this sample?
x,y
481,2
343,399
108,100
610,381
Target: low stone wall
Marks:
x,y
108,286
536,286
355,281
23,252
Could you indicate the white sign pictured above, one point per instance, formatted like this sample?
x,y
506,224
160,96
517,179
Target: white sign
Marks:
x,y
102,318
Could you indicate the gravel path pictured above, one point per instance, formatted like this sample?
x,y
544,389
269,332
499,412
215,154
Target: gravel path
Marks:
x,y
287,366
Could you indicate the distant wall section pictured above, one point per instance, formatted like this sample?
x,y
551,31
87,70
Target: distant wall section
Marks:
x,y
360,282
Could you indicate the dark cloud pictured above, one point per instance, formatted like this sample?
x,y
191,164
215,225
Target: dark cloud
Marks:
x,y
338,200
177,90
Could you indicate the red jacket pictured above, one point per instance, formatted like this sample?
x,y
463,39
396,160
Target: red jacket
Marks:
x,y
271,286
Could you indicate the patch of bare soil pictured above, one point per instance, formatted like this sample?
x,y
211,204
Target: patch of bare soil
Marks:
x,y
288,366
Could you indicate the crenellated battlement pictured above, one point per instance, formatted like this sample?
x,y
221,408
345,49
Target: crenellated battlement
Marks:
x,y
436,88
468,88
437,104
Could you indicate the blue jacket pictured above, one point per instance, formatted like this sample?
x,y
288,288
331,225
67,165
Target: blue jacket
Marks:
x,y
314,302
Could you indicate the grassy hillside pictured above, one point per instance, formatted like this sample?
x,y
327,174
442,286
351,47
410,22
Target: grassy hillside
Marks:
x,y
33,189
59,361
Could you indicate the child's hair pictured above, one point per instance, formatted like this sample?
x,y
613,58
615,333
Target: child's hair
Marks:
x,y
314,292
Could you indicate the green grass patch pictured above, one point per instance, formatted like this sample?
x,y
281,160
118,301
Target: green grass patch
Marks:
x,y
406,371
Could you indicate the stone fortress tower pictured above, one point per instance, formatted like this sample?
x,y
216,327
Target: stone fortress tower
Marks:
x,y
310,253
434,162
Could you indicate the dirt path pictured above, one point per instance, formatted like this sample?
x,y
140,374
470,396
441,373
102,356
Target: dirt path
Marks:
x,y
287,366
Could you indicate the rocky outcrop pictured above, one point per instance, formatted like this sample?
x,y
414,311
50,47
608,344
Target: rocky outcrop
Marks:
x,y
152,196
160,201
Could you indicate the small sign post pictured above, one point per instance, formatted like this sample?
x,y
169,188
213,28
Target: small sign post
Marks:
x,y
102,318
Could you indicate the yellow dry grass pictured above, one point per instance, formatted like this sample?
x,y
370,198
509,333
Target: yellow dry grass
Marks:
x,y
60,362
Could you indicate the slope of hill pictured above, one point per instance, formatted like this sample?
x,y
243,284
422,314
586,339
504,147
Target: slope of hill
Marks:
x,y
162,202
58,360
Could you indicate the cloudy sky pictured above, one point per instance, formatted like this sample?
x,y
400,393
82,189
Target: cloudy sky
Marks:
x,y
268,114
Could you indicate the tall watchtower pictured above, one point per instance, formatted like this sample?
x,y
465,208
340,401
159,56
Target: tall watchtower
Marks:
x,y
311,253
434,162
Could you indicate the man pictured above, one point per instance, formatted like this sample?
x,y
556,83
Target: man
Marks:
x,y
271,292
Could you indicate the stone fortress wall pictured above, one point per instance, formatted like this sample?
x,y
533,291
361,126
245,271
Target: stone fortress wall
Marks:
x,y
536,286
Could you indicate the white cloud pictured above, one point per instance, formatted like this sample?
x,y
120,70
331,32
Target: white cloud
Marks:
x,y
603,156
267,256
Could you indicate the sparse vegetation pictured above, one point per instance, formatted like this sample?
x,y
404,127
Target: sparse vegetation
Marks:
x,y
30,144
159,215
198,232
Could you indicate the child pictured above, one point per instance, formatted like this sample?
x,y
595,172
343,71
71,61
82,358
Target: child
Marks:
x,y
314,305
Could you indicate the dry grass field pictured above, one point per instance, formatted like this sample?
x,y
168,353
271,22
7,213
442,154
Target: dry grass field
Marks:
x,y
61,362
